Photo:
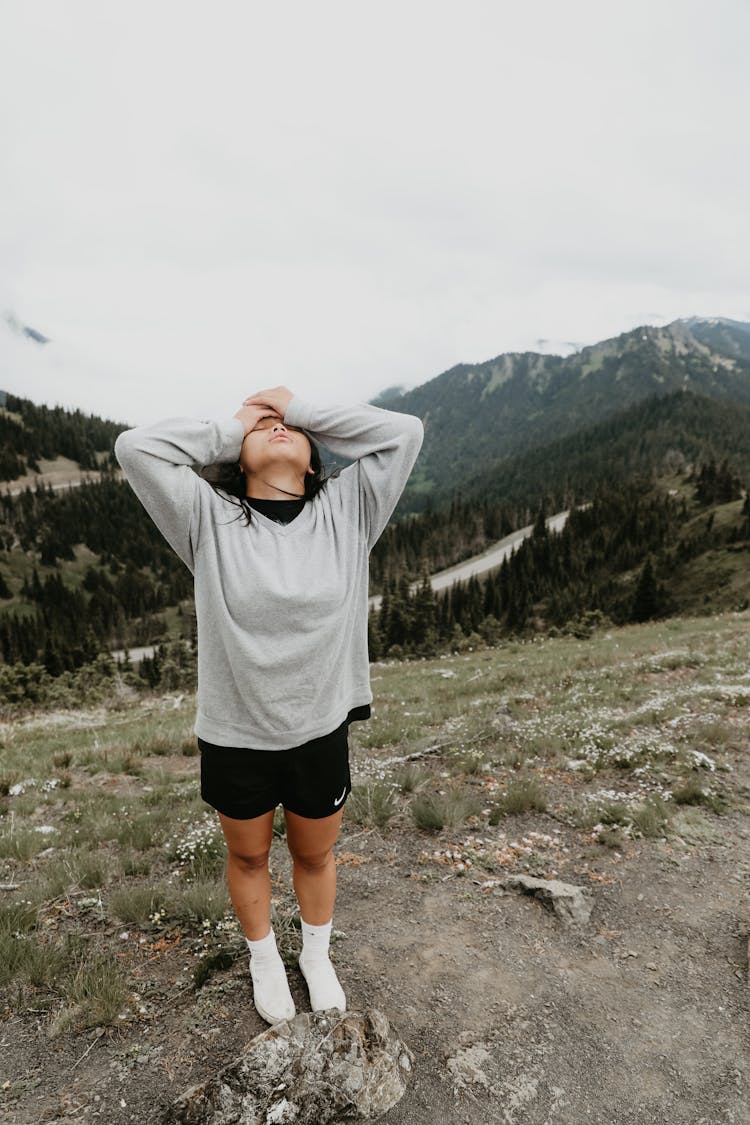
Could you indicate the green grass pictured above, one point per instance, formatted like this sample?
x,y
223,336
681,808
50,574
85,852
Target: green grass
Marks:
x,y
163,904
372,805
520,797
471,762
94,990
662,707
433,811
408,778
695,792
652,817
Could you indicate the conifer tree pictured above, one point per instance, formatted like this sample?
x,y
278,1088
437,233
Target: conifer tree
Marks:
x,y
646,598
374,637
540,523
424,631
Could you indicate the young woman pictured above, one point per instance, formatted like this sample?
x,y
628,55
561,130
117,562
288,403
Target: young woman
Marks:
x,y
281,606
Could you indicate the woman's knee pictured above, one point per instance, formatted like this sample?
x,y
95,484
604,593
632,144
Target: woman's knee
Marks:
x,y
315,860
252,861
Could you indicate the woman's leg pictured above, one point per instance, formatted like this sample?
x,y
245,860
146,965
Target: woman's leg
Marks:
x,y
311,845
249,882
310,842
248,877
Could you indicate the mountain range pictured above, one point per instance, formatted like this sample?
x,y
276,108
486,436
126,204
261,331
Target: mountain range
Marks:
x,y
478,417
522,421
645,438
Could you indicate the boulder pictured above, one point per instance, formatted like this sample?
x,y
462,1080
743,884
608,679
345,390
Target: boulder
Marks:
x,y
316,1068
568,902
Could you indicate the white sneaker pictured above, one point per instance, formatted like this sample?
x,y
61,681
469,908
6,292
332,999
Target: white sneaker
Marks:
x,y
271,994
322,983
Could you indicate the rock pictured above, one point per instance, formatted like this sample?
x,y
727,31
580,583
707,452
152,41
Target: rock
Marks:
x,y
317,1068
465,1066
567,901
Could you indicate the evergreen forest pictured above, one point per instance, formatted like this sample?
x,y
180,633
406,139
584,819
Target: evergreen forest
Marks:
x,y
658,524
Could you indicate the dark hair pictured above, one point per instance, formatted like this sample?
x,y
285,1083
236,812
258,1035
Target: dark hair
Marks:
x,y
228,480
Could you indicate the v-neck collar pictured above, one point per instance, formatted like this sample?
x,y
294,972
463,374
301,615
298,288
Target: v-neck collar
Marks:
x,y
303,517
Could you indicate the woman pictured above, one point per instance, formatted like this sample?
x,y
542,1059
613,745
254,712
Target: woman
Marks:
x,y
281,606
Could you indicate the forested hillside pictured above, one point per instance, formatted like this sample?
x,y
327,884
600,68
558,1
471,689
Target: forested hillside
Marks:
x,y
663,435
86,570
659,523
29,432
638,551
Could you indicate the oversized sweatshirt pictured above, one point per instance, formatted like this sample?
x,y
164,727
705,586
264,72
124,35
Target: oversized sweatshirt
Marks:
x,y
281,608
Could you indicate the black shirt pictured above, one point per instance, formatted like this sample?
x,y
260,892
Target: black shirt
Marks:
x,y
281,511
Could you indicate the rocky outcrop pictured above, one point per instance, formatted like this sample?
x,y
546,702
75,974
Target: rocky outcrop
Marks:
x,y
317,1068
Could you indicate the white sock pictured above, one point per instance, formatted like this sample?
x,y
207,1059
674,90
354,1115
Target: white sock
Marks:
x,y
270,986
265,950
316,940
315,965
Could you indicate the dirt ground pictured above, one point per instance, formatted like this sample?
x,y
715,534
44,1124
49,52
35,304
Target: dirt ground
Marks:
x,y
639,1016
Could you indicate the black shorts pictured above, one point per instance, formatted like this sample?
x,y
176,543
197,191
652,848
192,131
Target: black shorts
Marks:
x,y
311,780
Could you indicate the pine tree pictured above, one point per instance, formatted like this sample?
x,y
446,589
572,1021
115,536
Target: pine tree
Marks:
x,y
646,598
374,637
540,523
423,613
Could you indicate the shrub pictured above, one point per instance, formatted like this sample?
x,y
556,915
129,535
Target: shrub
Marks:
x,y
408,778
520,797
693,793
428,812
372,805
433,811
138,904
95,990
652,817
201,849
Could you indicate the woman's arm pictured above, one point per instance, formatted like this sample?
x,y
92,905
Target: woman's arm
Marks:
x,y
384,445
156,460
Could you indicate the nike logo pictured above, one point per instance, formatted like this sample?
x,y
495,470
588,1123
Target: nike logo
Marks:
x,y
340,798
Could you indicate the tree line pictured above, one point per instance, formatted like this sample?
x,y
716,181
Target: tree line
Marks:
x,y
29,432
63,613
552,579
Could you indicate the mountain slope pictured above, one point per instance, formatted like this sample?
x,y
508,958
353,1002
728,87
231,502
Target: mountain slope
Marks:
x,y
662,433
654,443
519,401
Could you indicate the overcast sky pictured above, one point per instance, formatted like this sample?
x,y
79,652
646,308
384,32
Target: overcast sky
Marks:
x,y
198,201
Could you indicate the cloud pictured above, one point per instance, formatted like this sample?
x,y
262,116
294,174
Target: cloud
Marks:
x,y
197,205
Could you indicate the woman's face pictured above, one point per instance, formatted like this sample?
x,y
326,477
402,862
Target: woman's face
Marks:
x,y
273,443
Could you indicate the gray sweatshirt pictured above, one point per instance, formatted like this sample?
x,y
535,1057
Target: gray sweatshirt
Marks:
x,y
281,608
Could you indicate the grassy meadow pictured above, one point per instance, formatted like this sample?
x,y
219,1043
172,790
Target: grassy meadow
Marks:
x,y
112,867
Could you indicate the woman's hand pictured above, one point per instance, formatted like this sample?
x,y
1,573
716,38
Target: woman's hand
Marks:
x,y
278,398
251,415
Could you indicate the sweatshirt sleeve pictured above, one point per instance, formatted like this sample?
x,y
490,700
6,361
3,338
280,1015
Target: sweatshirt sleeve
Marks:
x,y
156,461
383,444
